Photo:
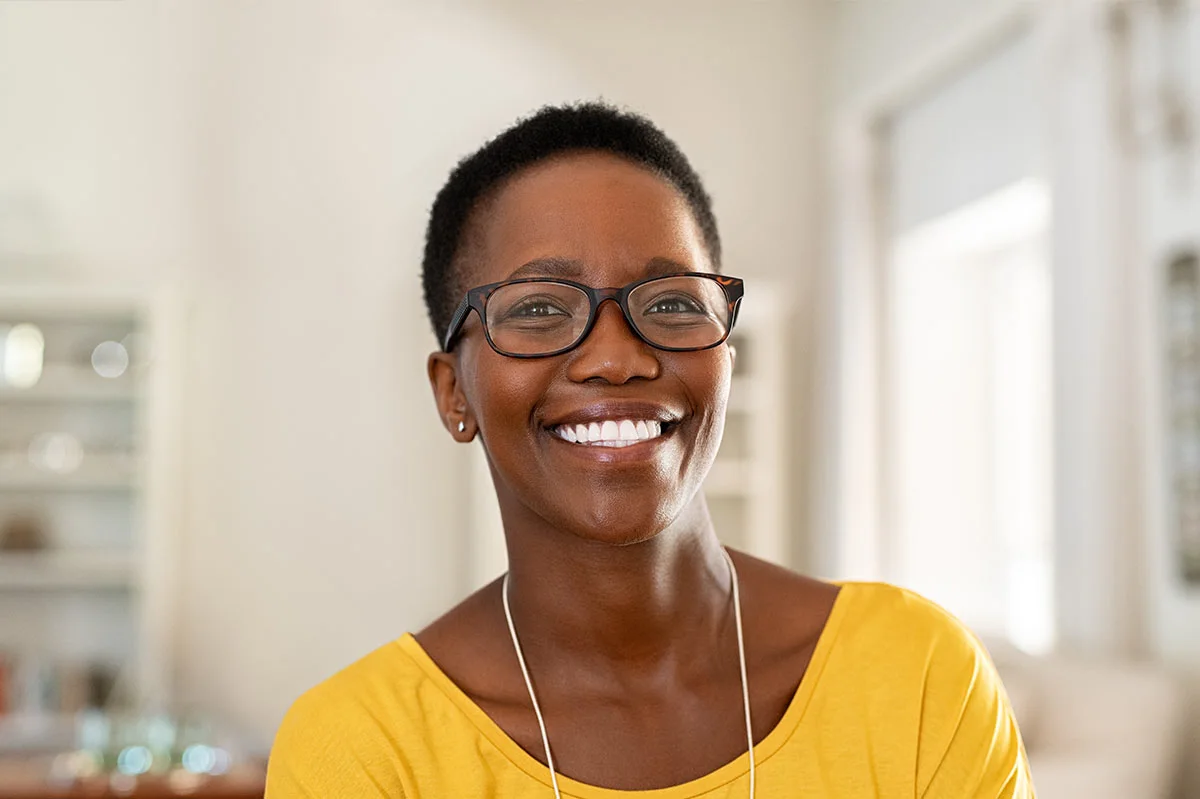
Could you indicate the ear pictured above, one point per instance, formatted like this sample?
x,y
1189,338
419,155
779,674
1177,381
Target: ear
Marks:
x,y
448,395
732,356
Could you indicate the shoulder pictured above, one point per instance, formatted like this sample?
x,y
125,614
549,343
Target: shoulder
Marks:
x,y
348,730
905,619
378,679
934,669
915,651
897,603
866,626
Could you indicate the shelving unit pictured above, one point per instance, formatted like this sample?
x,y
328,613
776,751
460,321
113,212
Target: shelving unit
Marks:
x,y
102,495
60,383
25,732
745,487
20,571
100,472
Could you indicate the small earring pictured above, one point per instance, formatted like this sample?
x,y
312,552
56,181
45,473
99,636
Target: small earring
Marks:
x,y
462,426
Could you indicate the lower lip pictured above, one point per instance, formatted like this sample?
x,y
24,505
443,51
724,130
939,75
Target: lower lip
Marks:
x,y
641,451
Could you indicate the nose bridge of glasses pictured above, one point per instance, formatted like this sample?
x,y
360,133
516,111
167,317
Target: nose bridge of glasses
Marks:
x,y
616,310
603,298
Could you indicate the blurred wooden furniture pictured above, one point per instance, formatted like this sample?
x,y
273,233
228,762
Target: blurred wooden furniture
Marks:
x,y
27,779
214,790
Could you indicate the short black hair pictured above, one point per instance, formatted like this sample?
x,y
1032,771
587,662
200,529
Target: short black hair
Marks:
x,y
594,126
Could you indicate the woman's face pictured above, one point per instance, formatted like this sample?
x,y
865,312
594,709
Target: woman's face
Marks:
x,y
602,221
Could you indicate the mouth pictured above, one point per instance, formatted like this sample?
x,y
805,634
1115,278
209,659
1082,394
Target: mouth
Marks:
x,y
612,433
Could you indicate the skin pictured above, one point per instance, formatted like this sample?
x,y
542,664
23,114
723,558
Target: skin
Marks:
x,y
619,591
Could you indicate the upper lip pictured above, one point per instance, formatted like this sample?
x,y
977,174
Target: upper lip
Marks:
x,y
615,410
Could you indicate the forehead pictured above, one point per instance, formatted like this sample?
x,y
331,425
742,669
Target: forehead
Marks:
x,y
613,217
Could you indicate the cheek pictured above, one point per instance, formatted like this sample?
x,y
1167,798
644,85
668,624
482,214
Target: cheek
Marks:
x,y
503,392
708,379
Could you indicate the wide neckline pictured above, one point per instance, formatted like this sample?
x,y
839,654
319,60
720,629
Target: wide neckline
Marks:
x,y
763,750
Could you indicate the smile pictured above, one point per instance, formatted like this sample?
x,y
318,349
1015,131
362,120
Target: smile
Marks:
x,y
609,433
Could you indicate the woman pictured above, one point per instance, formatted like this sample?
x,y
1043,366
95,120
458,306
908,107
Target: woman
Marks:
x,y
625,653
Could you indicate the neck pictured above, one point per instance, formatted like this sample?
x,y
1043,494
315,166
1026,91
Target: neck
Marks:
x,y
649,606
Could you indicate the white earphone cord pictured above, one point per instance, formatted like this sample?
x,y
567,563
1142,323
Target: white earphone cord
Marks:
x,y
737,617
537,710
532,696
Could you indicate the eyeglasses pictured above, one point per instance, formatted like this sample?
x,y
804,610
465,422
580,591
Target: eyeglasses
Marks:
x,y
539,317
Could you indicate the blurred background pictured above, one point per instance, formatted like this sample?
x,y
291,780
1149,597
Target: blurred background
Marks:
x,y
971,345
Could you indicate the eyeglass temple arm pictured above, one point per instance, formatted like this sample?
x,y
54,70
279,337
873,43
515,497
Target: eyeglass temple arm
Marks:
x,y
737,306
456,322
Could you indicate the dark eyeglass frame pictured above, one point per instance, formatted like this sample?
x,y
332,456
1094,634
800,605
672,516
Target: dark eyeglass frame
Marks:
x,y
477,300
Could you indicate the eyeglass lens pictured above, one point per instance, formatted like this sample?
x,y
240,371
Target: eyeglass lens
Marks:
x,y
681,312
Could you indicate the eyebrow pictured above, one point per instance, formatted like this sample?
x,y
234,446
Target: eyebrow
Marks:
x,y
549,267
569,267
657,267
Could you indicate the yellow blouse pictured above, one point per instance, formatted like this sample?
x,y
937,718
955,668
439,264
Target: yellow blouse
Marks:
x,y
899,700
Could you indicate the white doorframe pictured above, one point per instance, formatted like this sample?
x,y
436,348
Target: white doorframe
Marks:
x,y
854,508
1099,444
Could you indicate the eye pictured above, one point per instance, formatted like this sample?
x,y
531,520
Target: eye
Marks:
x,y
535,307
675,304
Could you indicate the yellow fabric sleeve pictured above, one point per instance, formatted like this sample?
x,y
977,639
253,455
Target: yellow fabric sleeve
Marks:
x,y
969,744
318,755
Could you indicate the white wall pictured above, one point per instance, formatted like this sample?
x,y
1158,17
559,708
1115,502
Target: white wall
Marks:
x,y
92,164
873,40
277,159
936,144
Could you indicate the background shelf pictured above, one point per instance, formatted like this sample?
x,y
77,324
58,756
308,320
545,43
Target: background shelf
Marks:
x,y
53,570
99,471
61,383
77,451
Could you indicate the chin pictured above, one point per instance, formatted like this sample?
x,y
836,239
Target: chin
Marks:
x,y
622,521
618,537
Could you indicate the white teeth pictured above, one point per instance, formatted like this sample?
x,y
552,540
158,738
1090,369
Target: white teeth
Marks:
x,y
610,433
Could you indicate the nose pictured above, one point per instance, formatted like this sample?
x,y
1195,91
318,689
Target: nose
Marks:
x,y
611,352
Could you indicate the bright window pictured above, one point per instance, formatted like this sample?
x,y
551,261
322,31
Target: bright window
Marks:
x,y
967,455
